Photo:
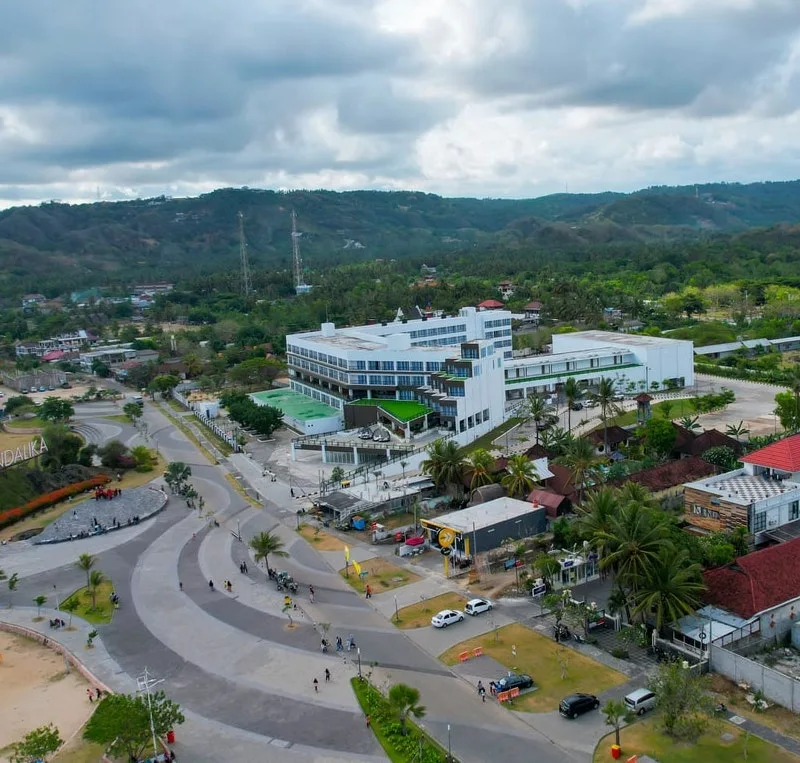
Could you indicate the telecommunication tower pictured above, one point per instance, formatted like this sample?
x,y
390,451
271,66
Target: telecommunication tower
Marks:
x,y
300,286
244,264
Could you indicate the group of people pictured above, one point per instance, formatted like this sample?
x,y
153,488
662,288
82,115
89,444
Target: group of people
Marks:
x,y
58,623
107,493
243,568
350,643
94,694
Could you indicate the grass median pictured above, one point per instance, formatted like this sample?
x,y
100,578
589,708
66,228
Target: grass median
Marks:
x,y
544,661
645,738
419,615
102,611
381,576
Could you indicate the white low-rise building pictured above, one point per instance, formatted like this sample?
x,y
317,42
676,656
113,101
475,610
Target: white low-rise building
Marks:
x,y
633,362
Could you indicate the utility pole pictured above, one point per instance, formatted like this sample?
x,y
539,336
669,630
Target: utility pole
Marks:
x,y
300,286
144,682
244,263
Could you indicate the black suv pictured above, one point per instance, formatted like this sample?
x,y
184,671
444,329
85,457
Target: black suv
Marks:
x,y
514,681
578,704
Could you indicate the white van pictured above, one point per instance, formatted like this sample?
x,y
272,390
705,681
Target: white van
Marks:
x,y
640,701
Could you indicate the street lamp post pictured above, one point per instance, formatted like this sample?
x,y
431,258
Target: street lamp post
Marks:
x,y
358,653
396,613
449,748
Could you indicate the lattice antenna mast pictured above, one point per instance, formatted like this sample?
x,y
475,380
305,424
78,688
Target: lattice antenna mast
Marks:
x,y
297,262
244,263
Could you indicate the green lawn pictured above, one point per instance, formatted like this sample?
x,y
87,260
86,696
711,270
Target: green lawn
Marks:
x,y
419,615
486,441
119,417
680,408
538,656
644,738
402,410
381,575
99,615
34,422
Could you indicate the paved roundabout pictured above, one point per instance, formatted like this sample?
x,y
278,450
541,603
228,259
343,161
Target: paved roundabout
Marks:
x,y
243,677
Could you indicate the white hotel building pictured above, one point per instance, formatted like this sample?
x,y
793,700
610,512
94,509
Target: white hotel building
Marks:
x,y
462,368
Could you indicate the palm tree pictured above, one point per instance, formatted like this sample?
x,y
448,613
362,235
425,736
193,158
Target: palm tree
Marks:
x,y
404,700
86,562
737,430
633,542
605,398
264,544
596,514
555,441
444,463
480,464
633,492
690,423
521,478
582,460
572,392
670,588
539,410
794,385
96,579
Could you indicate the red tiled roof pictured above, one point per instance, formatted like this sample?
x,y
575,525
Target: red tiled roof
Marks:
x,y
671,474
562,481
616,435
535,305
783,455
491,303
756,582
713,438
53,355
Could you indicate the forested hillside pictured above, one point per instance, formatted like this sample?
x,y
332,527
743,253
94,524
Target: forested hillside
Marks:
x,y
56,247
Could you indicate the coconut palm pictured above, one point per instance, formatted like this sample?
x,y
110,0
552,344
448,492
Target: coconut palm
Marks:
x,y
633,492
571,392
794,385
605,398
633,542
444,463
176,475
596,515
555,441
86,562
669,589
582,460
96,579
264,544
521,478
404,700
480,465
538,411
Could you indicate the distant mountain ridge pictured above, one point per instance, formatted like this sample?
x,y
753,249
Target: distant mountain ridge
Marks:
x,y
54,247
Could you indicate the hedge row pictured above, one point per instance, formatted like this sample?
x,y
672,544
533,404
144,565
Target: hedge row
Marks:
x,y
780,378
11,516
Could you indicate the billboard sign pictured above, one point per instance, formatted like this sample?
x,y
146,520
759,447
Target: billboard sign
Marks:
x,y
13,456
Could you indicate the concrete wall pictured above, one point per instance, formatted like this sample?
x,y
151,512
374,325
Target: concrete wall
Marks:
x,y
777,687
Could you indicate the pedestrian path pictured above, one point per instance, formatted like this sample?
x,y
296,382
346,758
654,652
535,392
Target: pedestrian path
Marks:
x,y
791,744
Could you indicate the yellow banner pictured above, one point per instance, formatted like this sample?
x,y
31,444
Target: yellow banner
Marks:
x,y
346,554
357,567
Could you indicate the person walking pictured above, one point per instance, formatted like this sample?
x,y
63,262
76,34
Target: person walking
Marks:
x,y
311,593
91,695
368,592
180,585
316,686
327,676
482,691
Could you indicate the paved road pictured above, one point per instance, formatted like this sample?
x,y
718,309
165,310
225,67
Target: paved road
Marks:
x,y
229,659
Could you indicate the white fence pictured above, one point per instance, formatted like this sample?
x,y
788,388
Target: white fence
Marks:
x,y
776,687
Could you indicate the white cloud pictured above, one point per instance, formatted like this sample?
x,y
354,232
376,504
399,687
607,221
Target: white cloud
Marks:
x,y
513,98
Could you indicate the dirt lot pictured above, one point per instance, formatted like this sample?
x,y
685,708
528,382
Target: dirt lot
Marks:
x,y
36,691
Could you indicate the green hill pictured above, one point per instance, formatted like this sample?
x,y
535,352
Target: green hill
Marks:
x,y
56,247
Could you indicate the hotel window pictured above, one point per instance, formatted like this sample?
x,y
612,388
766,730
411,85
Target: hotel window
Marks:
x,y
760,522
794,510
403,365
417,365
387,365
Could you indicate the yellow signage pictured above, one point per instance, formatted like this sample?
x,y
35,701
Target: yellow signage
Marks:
x,y
446,537
357,567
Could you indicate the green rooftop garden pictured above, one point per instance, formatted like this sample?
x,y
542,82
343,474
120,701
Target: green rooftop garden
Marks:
x,y
401,410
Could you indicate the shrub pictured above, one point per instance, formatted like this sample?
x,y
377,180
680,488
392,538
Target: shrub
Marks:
x,y
48,499
620,653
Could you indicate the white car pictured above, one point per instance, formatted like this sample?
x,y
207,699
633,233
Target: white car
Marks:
x,y
477,606
445,617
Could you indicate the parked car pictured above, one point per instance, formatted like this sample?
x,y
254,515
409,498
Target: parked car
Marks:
x,y
23,391
381,435
42,388
446,617
591,403
365,433
514,681
618,398
577,406
547,422
51,388
477,606
640,701
577,704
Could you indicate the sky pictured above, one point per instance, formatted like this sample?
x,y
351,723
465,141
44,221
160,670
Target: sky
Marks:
x,y
502,98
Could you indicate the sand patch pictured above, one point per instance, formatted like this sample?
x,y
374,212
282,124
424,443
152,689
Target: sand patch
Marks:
x,y
35,691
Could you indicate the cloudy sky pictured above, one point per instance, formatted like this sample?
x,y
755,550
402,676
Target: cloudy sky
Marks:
x,y
457,97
